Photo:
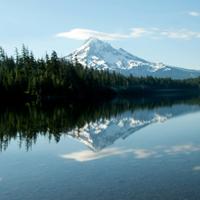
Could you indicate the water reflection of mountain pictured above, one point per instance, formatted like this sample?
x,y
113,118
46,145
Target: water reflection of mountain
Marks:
x,y
104,132
96,125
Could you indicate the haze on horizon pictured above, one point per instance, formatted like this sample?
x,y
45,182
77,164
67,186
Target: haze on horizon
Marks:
x,y
158,31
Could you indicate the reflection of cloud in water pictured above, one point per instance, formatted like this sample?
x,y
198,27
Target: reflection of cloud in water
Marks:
x,y
88,155
186,148
196,168
138,153
143,153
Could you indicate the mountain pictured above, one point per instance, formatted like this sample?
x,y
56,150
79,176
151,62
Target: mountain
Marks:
x,y
101,55
104,132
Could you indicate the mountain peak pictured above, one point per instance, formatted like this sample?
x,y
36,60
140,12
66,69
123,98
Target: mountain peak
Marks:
x,y
94,40
96,43
99,54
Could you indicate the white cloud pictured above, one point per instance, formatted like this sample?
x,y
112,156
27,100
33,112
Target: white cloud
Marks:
x,y
137,32
181,34
155,33
194,13
83,34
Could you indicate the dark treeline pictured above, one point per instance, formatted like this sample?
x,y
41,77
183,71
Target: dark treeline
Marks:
x,y
25,76
26,123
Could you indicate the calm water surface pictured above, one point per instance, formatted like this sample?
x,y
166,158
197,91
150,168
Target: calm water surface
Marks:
x,y
119,151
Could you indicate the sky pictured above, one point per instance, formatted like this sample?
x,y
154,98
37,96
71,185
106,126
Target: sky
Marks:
x,y
156,30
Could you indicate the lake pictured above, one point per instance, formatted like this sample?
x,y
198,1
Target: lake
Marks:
x,y
124,149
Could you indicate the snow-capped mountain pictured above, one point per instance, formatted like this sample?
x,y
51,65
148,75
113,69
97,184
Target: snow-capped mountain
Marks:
x,y
104,132
101,55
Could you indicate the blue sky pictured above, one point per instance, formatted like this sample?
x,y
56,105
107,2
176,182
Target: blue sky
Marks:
x,y
157,30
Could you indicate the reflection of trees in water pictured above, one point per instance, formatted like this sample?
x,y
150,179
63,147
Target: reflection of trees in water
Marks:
x,y
26,123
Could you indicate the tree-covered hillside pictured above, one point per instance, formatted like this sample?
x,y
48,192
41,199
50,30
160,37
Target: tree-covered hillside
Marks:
x,y
23,76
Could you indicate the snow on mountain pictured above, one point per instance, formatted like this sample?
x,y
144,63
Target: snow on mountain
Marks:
x,y
104,132
101,55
